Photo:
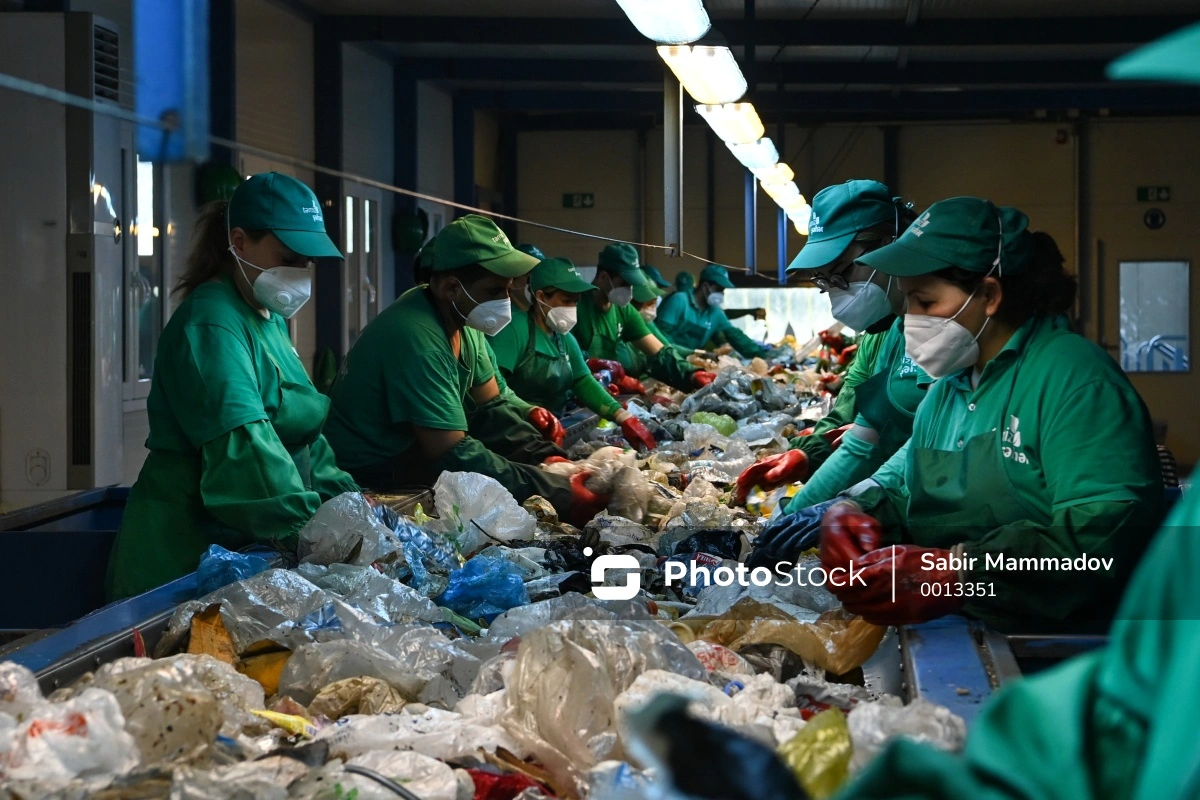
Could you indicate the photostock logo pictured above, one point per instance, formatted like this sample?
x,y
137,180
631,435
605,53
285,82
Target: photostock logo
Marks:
x,y
602,564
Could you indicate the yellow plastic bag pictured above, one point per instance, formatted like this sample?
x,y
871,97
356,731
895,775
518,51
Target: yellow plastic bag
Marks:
x,y
819,754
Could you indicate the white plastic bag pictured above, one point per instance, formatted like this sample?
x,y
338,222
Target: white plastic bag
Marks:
x,y
19,691
444,735
427,778
346,530
82,738
873,725
479,510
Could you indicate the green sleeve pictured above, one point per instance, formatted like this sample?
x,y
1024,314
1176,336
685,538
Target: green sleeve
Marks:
x,y
669,366
505,430
587,390
212,384
672,312
504,368
508,345
633,327
853,462
747,347
522,480
249,483
661,335
844,407
327,480
484,360
425,391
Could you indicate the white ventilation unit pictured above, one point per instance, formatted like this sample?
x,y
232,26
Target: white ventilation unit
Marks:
x,y
67,194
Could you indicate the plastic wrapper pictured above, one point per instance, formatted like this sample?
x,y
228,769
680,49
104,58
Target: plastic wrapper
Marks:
x,y
630,494
219,567
484,588
836,642
477,509
437,548
799,600
83,738
724,425
370,591
19,691
764,503
615,530
425,777
446,735
526,560
346,529
723,544
814,695
560,695
759,436
266,779
873,725
819,754
718,658
356,696
493,673
542,510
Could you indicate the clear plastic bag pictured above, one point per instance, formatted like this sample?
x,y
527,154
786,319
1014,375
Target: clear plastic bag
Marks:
x,y
219,567
873,725
347,530
445,735
371,591
476,505
19,691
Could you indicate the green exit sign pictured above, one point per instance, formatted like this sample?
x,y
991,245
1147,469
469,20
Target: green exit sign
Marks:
x,y
1154,194
579,200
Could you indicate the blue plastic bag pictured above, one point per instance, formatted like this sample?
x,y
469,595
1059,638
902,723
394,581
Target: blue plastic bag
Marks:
x,y
219,567
484,589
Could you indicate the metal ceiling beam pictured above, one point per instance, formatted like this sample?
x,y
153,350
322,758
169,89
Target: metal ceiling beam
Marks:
x,y
883,105
648,74
524,31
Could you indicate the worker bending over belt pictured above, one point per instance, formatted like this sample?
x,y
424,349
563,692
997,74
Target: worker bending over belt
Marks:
x,y
607,318
542,363
417,394
693,319
882,387
1031,452
236,451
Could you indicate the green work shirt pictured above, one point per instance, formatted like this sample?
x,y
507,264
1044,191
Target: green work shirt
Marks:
x,y
511,346
236,454
1074,451
693,327
600,334
1119,722
403,372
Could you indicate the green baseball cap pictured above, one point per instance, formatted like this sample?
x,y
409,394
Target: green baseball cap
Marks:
x,y
558,273
1174,57
966,232
685,282
839,213
476,240
622,259
644,294
532,250
717,274
285,207
656,277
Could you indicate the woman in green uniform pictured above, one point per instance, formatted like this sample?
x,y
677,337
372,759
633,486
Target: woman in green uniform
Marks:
x,y
607,318
646,299
542,364
1030,486
236,452
693,319
882,387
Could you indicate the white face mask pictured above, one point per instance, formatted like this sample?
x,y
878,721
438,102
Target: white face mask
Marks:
x,y
562,318
716,300
283,290
528,295
649,314
622,296
862,305
940,345
490,317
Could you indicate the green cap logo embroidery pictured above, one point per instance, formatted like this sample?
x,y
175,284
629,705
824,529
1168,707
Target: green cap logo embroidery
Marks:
x,y
919,226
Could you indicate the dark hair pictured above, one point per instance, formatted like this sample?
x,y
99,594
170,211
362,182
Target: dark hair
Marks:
x,y
210,256
1044,288
873,238
471,273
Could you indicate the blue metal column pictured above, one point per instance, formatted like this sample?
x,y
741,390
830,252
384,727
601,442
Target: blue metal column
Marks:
x,y
222,78
404,110
749,68
327,114
464,153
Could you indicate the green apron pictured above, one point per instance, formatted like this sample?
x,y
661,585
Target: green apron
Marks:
x,y
539,378
888,400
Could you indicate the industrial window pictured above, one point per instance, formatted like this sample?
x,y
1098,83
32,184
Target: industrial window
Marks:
x,y
1154,316
800,312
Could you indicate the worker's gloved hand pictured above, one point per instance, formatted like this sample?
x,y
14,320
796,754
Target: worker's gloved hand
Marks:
x,y
660,400
637,434
785,538
557,460
585,504
847,354
547,425
597,364
630,385
926,588
702,378
772,472
847,534
613,389
834,341
834,437
760,313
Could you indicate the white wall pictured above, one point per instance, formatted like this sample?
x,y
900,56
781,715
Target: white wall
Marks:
x,y
435,151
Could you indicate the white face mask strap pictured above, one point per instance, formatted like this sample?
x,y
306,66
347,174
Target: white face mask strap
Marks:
x,y
996,265
896,211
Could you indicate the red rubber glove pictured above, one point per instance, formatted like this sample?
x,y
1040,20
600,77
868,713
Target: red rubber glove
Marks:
x,y
637,434
702,378
847,534
630,385
585,504
926,588
772,472
847,354
613,389
557,460
548,425
832,340
834,437
597,364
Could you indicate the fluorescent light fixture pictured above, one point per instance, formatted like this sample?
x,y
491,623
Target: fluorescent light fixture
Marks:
x,y
668,21
783,193
756,155
733,123
710,74
800,218
776,173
